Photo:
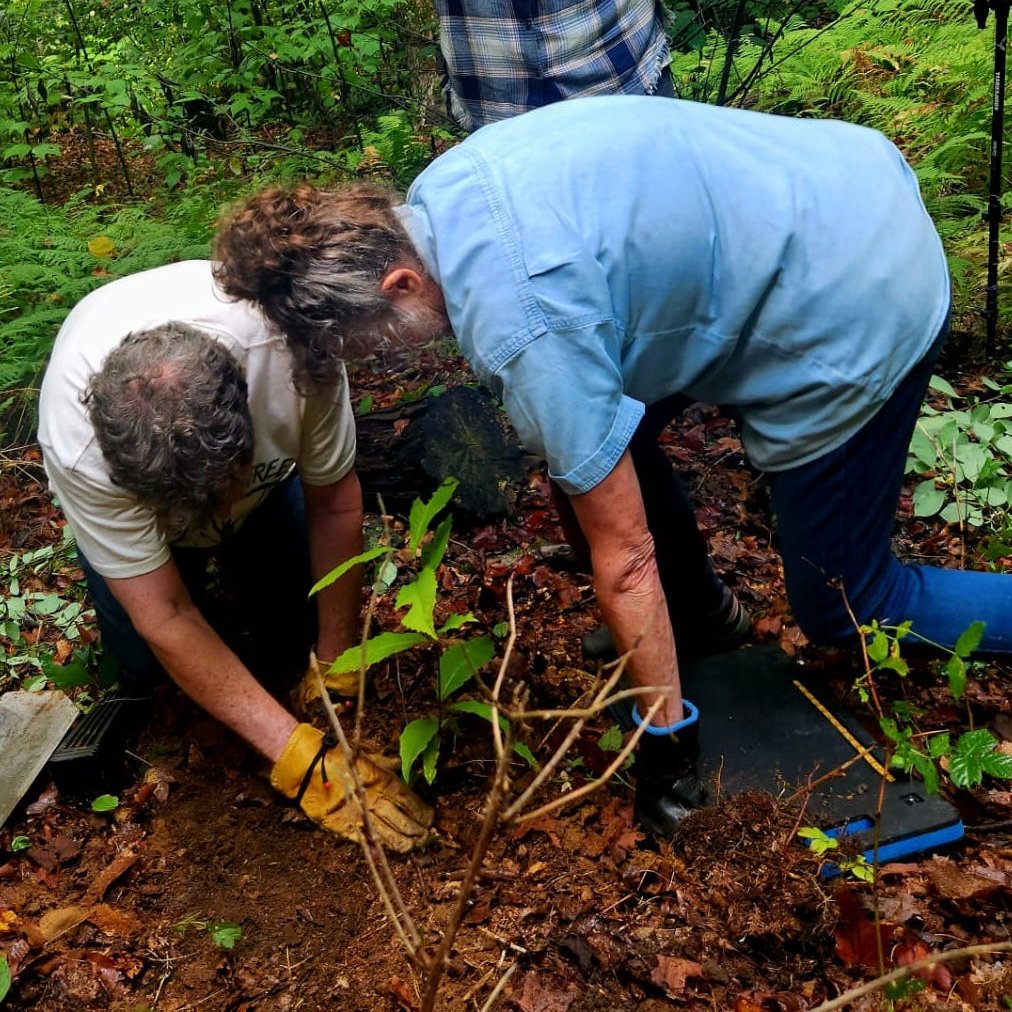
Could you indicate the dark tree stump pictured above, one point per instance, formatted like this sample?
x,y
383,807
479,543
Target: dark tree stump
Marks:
x,y
406,451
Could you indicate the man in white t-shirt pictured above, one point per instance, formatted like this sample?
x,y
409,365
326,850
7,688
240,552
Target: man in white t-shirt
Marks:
x,y
174,437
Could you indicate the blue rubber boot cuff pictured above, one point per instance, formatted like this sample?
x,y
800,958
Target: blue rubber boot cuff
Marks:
x,y
693,716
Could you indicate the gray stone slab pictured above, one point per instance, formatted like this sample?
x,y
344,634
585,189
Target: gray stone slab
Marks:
x,y
31,726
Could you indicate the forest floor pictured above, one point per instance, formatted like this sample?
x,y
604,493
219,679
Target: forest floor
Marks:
x,y
127,910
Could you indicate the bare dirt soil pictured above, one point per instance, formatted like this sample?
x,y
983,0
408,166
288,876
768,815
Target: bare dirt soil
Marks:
x,y
122,910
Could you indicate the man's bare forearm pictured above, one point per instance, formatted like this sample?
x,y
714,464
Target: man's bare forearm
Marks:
x,y
334,516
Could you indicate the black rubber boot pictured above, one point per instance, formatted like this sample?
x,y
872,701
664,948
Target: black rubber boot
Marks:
x,y
668,787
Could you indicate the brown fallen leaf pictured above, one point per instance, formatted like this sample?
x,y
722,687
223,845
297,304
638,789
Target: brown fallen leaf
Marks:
x,y
859,941
111,921
56,922
403,994
912,950
671,973
539,995
119,865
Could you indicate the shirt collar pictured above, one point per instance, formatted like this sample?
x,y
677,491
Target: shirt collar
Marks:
x,y
416,224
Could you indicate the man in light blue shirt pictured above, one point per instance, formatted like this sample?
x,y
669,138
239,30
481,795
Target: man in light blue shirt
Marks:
x,y
599,259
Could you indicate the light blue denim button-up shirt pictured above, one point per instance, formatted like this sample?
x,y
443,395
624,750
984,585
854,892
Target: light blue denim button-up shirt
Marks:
x,y
600,254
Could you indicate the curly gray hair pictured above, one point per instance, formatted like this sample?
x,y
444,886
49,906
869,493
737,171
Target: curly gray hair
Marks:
x,y
313,261
170,412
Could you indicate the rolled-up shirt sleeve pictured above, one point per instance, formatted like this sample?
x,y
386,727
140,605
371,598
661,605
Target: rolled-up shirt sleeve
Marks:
x,y
563,392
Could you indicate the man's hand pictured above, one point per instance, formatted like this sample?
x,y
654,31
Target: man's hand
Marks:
x,y
317,774
308,690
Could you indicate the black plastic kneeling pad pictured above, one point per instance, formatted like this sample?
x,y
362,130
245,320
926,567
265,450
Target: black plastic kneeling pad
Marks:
x,y
765,724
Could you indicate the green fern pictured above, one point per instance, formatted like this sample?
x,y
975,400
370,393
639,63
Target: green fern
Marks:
x,y
46,266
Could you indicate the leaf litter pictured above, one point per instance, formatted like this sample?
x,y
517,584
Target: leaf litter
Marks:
x,y
593,915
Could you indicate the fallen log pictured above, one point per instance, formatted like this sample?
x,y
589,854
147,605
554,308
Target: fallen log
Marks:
x,y
404,452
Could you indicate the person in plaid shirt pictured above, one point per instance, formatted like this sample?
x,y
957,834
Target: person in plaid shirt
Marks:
x,y
504,57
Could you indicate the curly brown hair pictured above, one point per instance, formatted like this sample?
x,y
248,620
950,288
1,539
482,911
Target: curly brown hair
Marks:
x,y
313,260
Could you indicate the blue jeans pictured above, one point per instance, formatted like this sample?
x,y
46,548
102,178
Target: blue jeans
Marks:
x,y
252,589
835,520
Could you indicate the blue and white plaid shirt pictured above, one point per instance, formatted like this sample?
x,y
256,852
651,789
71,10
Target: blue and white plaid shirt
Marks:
x,y
505,57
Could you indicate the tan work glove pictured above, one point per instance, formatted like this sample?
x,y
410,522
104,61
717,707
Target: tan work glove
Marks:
x,y
315,772
308,690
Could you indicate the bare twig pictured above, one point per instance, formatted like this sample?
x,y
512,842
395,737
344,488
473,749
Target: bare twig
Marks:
x,y
497,990
905,971
616,764
372,850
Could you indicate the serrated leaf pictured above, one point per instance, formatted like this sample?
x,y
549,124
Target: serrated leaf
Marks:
x,y
414,739
482,709
335,574
460,661
966,763
101,247
939,745
377,648
224,933
611,740
423,513
969,639
433,552
998,764
419,597
456,622
929,774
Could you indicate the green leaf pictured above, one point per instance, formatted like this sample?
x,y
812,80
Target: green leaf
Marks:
x,y
969,639
878,648
928,499
105,803
423,513
335,574
419,598
460,661
942,386
20,843
47,604
998,764
34,684
456,622
819,841
860,869
966,763
955,670
501,630
430,757
364,405
377,648
386,576
939,745
224,933
5,977
895,663
68,676
433,552
414,740
611,740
